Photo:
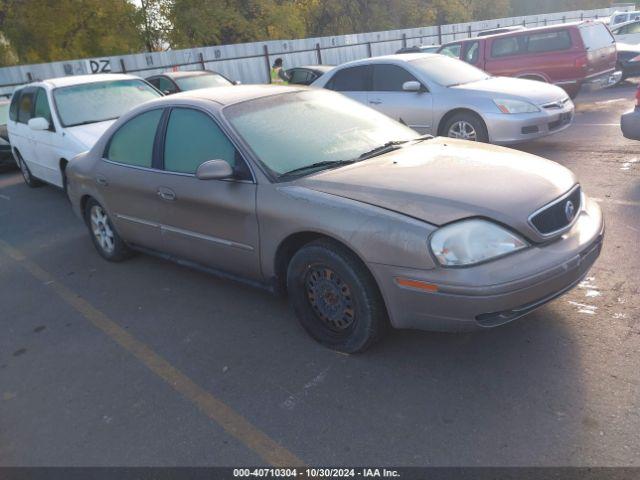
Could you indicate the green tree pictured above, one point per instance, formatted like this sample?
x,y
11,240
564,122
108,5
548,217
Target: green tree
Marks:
x,y
49,30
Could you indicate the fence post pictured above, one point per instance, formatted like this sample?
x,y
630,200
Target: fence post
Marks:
x,y
404,40
369,54
29,77
564,19
439,35
581,16
524,22
318,54
201,60
545,22
469,30
265,49
122,67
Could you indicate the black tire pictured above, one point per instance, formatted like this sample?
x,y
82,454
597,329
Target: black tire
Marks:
x,y
115,249
29,179
335,297
480,129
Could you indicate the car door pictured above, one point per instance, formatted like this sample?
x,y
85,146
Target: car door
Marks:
x,y
354,82
414,109
126,180
46,143
210,222
21,134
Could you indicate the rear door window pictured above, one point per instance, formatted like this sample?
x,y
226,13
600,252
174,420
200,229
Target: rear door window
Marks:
x,y
472,53
25,106
596,36
132,144
353,79
194,138
506,46
390,78
300,76
548,41
166,86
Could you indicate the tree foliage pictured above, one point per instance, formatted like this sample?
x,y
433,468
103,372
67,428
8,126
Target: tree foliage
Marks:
x,y
47,30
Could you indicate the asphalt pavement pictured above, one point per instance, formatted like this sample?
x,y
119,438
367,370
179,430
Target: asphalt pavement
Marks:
x,y
147,363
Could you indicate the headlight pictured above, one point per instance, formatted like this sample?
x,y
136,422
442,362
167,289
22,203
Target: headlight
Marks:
x,y
515,106
473,241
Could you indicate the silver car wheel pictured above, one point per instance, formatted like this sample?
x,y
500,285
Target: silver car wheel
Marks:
x,y
102,229
463,130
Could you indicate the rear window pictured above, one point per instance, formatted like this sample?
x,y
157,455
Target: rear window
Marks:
x,y
596,36
548,41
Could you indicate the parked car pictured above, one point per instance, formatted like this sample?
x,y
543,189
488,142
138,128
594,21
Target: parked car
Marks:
x,y
628,32
496,31
6,158
419,49
307,74
630,121
628,60
622,17
439,95
51,121
361,221
181,81
572,55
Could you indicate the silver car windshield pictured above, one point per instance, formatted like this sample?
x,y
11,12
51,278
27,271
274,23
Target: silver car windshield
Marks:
x,y
291,131
202,81
448,71
100,101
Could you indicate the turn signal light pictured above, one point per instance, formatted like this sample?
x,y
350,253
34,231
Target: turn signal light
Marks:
x,y
407,282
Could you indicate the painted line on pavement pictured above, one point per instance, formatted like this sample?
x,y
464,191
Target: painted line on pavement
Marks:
x,y
231,421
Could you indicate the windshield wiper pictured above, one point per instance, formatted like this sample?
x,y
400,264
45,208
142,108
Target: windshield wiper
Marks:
x,y
318,165
382,149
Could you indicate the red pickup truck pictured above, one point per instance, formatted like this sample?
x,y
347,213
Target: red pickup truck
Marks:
x,y
570,55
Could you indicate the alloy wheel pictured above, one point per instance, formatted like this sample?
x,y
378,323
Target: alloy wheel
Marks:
x,y
463,130
101,228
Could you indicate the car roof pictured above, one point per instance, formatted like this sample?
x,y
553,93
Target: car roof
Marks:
x,y
622,24
82,79
395,58
232,94
315,67
186,73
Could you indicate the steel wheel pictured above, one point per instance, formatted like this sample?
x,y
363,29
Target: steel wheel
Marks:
x,y
463,130
101,228
330,297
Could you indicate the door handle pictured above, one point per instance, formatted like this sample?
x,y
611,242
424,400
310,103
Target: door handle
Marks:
x,y
102,181
375,102
166,194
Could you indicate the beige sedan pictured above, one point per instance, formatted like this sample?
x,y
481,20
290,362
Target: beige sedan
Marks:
x,y
361,221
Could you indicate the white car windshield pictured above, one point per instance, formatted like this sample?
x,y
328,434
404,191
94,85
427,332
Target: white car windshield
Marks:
x,y
202,81
292,131
100,101
448,71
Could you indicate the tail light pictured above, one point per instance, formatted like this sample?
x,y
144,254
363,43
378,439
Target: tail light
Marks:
x,y
582,61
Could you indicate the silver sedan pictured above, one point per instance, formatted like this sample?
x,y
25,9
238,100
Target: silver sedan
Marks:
x,y
443,96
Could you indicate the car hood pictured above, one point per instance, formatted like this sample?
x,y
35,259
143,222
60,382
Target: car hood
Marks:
x,y
443,180
533,91
88,135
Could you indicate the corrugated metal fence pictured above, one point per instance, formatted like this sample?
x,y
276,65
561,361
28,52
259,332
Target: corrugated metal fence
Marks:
x,y
249,62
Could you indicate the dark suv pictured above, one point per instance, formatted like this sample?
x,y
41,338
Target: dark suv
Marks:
x,y
572,55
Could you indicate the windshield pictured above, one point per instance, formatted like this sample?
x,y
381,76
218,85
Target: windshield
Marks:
x,y
4,113
202,81
294,130
100,101
448,71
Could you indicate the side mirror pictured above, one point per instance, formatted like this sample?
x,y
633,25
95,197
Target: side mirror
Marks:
x,y
38,124
412,86
237,82
167,92
214,170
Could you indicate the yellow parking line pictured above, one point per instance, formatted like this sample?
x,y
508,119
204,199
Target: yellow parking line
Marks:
x,y
231,421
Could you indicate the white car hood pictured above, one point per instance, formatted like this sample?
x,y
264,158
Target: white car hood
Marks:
x,y
88,135
536,92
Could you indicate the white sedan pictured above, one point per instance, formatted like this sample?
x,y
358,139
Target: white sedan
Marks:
x,y
52,121
628,32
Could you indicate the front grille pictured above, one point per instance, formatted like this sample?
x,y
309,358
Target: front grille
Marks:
x,y
559,214
564,119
